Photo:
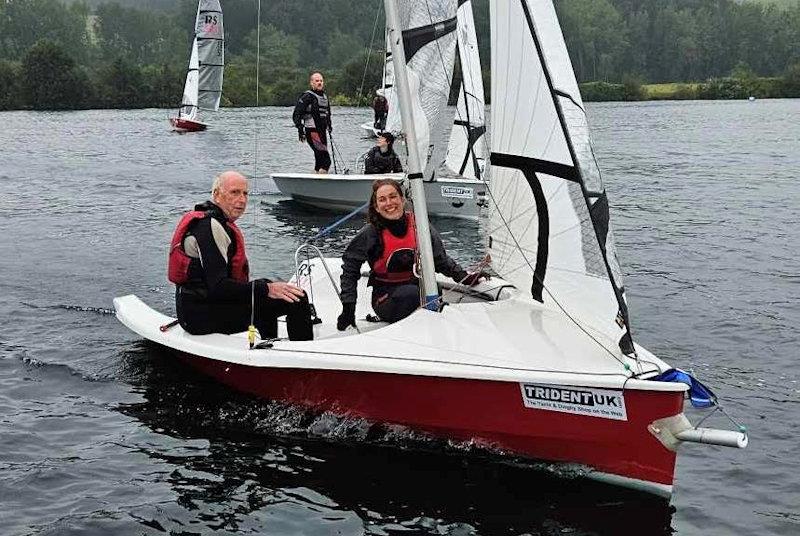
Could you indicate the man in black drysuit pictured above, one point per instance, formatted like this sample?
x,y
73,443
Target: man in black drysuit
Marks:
x,y
312,117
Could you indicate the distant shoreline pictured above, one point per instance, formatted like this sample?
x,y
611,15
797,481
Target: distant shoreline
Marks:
x,y
715,89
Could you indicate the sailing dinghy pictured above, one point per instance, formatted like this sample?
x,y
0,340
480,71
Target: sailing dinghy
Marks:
x,y
466,149
203,88
387,88
465,156
538,362
429,35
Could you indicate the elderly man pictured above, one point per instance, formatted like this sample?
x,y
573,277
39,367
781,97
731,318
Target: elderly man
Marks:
x,y
312,117
208,264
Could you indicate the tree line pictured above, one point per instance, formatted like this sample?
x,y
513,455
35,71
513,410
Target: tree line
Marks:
x,y
57,54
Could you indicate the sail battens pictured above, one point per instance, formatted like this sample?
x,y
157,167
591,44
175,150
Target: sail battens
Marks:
x,y
203,87
429,39
416,38
524,163
466,151
562,214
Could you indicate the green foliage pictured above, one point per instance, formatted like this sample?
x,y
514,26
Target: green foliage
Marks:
x,y
353,74
130,53
596,37
791,80
24,22
163,85
142,37
342,48
122,85
743,71
50,80
633,88
602,91
9,86
278,50
280,78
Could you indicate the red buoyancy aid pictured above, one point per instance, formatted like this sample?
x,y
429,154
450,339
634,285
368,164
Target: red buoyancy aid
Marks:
x,y
179,261
393,245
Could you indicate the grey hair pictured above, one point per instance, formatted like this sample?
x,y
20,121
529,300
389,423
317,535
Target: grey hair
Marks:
x,y
216,186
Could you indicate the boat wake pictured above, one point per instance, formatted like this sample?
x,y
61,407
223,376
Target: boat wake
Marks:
x,y
69,307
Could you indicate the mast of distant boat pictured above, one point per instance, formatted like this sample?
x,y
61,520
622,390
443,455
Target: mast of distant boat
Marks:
x,y
428,275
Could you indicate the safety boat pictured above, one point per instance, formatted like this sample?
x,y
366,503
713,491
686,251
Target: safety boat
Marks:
x,y
203,87
540,361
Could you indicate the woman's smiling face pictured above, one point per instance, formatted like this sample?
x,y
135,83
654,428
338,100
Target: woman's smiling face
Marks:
x,y
389,202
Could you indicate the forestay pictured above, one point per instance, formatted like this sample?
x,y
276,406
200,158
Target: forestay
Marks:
x,y
550,229
466,152
430,42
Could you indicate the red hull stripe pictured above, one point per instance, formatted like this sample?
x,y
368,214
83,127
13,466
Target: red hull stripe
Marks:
x,y
488,412
189,126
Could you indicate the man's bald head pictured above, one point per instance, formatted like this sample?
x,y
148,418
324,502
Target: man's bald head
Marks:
x,y
316,81
229,192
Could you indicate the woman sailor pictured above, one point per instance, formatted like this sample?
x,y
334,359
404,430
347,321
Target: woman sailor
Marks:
x,y
388,243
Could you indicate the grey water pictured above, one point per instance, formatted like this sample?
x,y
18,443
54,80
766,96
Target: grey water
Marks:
x,y
102,433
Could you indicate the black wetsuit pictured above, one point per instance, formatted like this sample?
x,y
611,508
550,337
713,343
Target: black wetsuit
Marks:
x,y
213,302
312,117
378,162
381,108
391,302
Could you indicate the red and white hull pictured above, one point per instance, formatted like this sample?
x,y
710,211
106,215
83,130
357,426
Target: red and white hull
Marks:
x,y
488,413
181,124
493,368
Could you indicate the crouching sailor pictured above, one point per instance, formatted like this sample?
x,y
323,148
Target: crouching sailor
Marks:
x,y
208,264
389,244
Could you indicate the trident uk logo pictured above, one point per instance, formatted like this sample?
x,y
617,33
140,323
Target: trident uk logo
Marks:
x,y
602,403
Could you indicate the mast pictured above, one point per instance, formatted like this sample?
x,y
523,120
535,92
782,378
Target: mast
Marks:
x,y
428,277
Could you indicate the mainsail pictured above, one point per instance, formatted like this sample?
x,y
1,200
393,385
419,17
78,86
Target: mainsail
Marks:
x,y
550,229
466,152
203,88
430,42
188,109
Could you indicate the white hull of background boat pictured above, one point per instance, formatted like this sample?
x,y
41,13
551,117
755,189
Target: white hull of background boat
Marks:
x,y
462,198
370,130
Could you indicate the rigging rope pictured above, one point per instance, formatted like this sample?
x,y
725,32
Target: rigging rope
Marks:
x,y
337,223
516,242
255,123
369,55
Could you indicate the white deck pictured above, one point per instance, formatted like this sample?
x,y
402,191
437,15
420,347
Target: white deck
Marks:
x,y
514,339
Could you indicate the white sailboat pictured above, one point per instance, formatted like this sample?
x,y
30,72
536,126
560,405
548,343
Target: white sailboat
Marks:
x,y
203,87
386,90
539,362
466,150
429,35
